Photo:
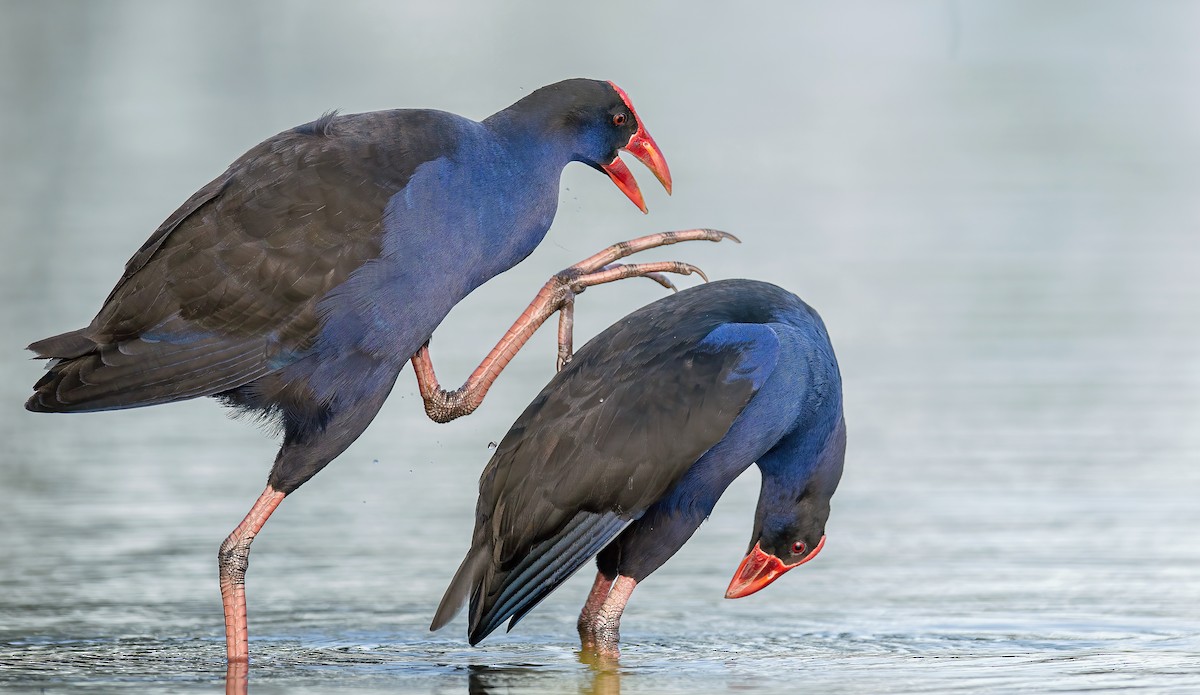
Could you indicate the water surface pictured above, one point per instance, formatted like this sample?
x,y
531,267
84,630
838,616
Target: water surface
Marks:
x,y
992,204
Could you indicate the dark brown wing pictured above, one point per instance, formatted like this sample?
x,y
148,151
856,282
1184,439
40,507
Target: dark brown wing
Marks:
x,y
231,281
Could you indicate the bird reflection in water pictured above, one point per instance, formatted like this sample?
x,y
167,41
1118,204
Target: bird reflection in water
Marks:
x,y
603,677
237,677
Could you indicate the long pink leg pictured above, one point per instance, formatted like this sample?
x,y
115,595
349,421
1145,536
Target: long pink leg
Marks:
x,y
233,559
557,294
600,626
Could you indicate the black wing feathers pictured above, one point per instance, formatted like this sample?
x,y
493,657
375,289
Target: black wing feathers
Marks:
x,y
547,565
233,278
606,438
106,374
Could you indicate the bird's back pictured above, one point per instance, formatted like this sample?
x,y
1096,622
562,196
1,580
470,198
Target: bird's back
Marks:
x,y
609,435
227,289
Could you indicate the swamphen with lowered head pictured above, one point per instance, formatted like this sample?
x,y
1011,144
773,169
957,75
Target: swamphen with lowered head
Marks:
x,y
298,283
627,450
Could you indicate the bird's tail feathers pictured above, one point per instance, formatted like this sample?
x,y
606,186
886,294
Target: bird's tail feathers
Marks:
x,y
138,373
511,594
64,345
456,594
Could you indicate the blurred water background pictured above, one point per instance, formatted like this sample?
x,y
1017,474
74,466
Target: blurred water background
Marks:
x,y
993,204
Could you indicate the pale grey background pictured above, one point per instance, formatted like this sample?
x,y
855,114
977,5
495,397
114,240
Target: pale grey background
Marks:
x,y
993,204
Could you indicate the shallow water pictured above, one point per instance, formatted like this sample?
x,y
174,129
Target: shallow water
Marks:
x,y
993,205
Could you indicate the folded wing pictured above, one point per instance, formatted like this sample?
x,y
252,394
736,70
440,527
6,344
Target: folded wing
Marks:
x,y
227,289
606,438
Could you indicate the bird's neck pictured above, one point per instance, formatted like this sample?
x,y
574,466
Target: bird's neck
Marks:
x,y
805,464
817,443
537,141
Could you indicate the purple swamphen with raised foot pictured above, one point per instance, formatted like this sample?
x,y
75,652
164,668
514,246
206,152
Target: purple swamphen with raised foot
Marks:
x,y
298,283
626,451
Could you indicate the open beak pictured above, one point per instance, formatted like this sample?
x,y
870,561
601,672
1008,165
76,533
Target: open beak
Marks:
x,y
759,569
643,147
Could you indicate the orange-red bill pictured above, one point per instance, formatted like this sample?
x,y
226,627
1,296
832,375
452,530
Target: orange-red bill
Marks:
x,y
620,175
643,147
758,569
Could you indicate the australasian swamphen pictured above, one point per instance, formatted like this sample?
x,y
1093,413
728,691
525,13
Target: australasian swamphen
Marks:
x,y
627,449
298,283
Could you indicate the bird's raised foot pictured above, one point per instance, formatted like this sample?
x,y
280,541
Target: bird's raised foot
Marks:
x,y
602,267
651,241
556,296
573,281
578,282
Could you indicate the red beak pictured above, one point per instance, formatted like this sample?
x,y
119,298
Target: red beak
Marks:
x,y
759,569
643,147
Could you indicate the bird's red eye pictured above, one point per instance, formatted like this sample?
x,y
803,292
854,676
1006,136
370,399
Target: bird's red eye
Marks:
x,y
798,548
619,119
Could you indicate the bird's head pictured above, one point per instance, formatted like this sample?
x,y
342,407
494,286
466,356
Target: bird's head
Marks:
x,y
789,527
783,546
620,128
598,120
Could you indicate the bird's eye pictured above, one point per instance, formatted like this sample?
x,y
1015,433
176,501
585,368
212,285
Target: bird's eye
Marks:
x,y
619,119
798,548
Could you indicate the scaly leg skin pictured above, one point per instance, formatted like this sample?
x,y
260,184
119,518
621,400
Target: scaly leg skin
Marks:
x,y
558,294
566,334
591,608
600,627
233,559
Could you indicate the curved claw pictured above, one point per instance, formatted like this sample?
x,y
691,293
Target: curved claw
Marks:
x,y
688,269
704,234
662,280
